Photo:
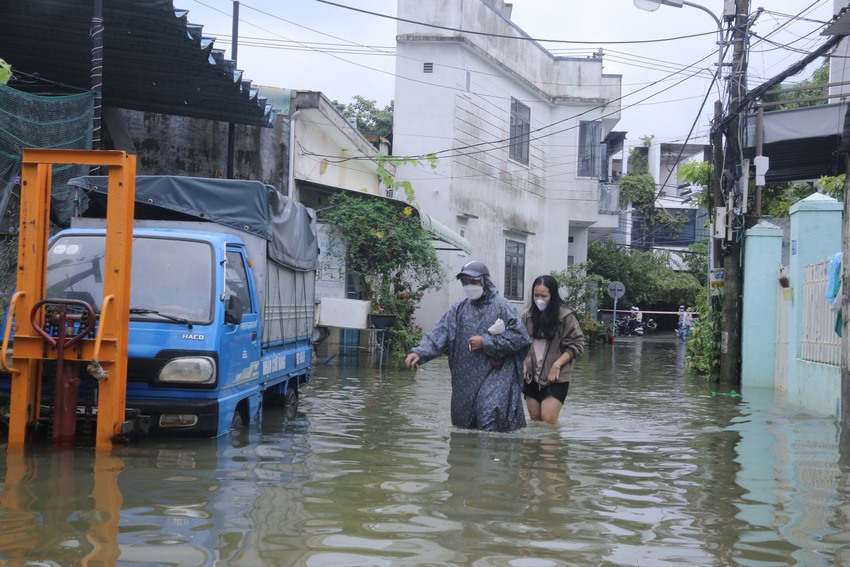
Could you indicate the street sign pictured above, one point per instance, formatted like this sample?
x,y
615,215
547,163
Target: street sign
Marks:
x,y
616,290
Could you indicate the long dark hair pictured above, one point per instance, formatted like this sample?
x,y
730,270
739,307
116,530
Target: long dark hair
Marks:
x,y
544,323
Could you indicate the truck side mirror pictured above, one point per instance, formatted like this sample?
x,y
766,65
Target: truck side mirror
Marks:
x,y
233,311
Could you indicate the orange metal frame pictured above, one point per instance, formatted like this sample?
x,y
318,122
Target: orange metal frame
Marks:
x,y
110,346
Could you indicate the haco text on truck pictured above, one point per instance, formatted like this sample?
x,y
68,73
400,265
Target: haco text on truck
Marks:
x,y
214,318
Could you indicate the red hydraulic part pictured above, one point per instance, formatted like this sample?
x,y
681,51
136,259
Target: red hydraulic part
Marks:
x,y
71,327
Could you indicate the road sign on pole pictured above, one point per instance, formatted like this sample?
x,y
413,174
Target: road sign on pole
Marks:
x,y
616,290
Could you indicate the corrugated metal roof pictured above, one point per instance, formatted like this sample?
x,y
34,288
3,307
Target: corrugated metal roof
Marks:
x,y
154,59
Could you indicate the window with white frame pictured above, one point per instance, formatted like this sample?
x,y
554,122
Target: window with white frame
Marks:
x,y
520,134
589,148
514,270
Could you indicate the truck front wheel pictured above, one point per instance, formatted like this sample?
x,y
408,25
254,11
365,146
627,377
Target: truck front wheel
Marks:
x,y
290,403
237,423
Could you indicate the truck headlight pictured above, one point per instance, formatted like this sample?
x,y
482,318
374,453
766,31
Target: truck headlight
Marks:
x,y
189,370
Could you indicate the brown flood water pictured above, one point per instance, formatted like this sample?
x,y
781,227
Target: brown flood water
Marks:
x,y
647,467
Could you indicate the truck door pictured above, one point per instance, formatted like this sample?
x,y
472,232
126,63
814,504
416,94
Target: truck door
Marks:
x,y
240,349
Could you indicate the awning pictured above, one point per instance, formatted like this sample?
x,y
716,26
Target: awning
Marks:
x,y
801,143
443,233
154,59
435,228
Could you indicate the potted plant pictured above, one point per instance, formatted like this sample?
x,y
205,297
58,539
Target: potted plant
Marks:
x,y
387,247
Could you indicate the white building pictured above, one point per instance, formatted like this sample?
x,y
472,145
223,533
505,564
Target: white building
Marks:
x,y
664,160
519,136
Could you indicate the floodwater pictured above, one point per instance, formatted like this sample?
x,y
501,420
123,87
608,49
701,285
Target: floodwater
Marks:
x,y
648,466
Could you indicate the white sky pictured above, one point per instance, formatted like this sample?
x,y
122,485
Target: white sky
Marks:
x,y
306,44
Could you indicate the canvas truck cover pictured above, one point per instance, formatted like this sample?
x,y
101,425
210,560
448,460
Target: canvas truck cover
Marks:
x,y
248,206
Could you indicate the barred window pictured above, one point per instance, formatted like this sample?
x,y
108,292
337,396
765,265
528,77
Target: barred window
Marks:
x,y
514,269
589,148
520,134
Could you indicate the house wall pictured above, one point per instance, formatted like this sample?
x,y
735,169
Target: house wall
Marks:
x,y
176,145
461,110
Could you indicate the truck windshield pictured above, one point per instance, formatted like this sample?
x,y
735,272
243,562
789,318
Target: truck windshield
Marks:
x,y
171,277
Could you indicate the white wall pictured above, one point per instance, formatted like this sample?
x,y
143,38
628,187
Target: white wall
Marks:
x,y
462,111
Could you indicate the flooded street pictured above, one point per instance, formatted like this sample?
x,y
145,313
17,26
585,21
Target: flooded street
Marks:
x,y
648,466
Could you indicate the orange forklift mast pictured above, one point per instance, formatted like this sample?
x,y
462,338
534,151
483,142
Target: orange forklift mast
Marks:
x,y
74,322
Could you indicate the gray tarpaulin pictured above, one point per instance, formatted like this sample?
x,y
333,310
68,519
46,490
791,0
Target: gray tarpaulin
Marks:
x,y
250,206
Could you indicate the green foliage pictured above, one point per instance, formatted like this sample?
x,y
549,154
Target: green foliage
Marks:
x,y
697,261
636,190
699,173
639,155
386,245
370,119
5,72
832,185
817,84
581,291
580,288
702,351
648,277
638,160
387,178
777,198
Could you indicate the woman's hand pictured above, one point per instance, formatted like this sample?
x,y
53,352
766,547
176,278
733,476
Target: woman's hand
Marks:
x,y
527,375
476,342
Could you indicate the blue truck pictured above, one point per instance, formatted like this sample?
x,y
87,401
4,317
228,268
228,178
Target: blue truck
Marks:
x,y
222,300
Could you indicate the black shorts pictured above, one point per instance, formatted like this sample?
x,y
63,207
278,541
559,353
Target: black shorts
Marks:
x,y
558,390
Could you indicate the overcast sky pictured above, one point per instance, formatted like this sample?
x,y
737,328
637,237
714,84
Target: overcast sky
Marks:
x,y
307,44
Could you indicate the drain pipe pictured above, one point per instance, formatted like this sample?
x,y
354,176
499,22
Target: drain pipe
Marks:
x,y
290,188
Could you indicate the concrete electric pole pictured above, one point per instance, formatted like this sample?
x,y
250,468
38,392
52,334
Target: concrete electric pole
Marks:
x,y
733,191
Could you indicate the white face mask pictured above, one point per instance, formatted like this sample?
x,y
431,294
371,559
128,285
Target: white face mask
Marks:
x,y
473,292
541,304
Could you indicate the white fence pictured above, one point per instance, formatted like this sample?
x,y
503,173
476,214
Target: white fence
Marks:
x,y
820,341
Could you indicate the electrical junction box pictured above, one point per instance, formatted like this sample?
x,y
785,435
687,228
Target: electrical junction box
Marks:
x,y
720,223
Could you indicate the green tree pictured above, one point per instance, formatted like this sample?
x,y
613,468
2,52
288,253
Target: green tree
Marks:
x,y
812,87
648,277
369,118
581,290
777,198
386,245
832,185
701,174
696,261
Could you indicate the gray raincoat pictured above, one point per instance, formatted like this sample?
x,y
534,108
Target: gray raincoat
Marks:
x,y
486,383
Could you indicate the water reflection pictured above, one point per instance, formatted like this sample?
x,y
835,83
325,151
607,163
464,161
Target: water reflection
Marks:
x,y
646,467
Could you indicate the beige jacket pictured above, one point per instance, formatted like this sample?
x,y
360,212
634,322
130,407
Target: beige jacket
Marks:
x,y
568,337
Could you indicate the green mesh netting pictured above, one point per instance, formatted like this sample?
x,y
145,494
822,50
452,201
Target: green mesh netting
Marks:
x,y
32,121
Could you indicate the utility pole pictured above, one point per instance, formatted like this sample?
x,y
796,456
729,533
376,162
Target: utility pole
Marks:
x,y
730,326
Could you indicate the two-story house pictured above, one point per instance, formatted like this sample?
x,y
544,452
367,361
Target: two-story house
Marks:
x,y
519,134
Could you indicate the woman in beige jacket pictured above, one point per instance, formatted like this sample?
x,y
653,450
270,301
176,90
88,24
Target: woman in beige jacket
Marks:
x,y
558,341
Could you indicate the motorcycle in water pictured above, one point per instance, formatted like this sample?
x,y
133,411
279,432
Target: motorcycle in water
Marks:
x,y
627,327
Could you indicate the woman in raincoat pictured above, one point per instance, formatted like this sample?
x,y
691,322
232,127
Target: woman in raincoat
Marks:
x,y
486,344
